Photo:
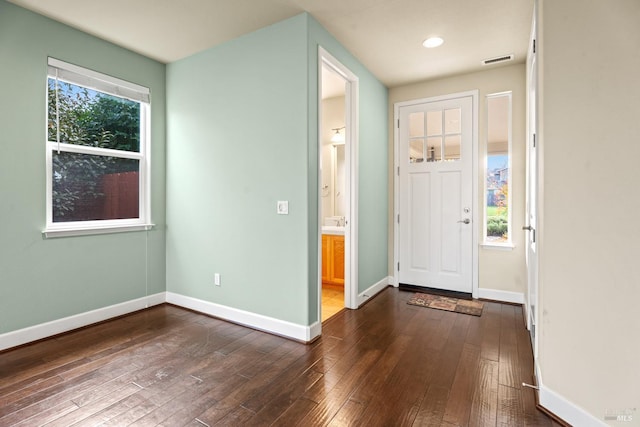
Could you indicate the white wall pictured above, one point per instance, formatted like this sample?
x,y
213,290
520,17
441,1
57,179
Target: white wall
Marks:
x,y
589,232
498,269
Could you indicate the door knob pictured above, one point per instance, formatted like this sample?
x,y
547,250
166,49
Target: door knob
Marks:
x,y
527,227
465,221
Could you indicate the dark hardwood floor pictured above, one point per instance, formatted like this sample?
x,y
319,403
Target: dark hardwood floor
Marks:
x,y
387,364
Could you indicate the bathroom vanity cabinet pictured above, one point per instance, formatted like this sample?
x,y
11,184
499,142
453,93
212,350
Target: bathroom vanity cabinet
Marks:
x,y
333,259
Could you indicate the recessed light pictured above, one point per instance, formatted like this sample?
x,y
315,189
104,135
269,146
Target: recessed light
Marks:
x,y
432,42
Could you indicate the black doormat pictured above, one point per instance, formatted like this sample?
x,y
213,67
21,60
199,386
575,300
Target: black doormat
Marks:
x,y
435,291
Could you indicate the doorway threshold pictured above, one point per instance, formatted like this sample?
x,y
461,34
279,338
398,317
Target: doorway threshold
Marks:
x,y
435,291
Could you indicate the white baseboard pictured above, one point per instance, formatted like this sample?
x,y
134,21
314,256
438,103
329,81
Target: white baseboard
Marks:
x,y
503,296
315,330
568,411
246,318
373,290
563,408
48,329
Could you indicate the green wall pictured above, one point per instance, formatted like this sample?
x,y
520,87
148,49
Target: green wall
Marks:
x,y
47,279
236,145
243,134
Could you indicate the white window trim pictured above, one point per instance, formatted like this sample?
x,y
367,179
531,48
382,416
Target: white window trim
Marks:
x,y
508,244
107,84
504,246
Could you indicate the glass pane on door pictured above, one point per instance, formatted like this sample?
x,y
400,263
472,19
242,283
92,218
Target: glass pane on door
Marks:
x,y
434,149
434,123
416,150
416,124
452,121
452,147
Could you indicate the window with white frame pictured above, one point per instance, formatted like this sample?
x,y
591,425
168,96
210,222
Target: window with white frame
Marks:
x,y
97,152
497,227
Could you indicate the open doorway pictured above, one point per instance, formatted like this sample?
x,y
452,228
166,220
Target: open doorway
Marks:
x,y
332,191
337,205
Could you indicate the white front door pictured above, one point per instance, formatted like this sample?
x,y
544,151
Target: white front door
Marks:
x,y
435,149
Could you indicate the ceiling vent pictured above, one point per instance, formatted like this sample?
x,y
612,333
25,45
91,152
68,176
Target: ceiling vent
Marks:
x,y
497,59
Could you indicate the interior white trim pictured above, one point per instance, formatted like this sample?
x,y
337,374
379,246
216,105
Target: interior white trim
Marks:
x,y
475,214
54,327
392,282
120,88
568,411
499,295
509,243
351,176
246,318
373,290
315,330
498,247
68,232
561,407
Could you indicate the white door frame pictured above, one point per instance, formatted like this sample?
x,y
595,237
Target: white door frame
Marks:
x,y
396,136
533,190
351,179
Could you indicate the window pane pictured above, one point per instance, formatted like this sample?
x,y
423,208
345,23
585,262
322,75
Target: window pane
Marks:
x,y
452,147
434,123
497,184
416,124
497,197
434,149
452,121
92,118
88,187
416,150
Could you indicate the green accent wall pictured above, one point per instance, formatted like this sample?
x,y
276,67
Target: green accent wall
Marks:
x,y
237,143
47,279
243,134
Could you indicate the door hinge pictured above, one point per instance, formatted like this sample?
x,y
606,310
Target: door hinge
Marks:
x,y
534,140
534,45
398,170
398,123
398,266
398,218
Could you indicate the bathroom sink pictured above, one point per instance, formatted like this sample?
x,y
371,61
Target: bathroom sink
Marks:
x,y
333,229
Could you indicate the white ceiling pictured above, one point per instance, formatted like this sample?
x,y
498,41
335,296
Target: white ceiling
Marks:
x,y
385,35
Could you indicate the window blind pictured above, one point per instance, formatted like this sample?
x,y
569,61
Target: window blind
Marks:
x,y
94,80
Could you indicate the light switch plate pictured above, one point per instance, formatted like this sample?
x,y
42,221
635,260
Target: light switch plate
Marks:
x,y
283,207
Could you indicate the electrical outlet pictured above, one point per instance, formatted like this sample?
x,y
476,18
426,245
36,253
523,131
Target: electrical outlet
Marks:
x,y
216,279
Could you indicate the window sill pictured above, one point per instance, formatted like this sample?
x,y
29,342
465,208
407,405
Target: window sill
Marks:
x,y
498,246
69,232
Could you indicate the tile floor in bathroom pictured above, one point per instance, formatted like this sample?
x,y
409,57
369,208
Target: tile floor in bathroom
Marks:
x,y
332,300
